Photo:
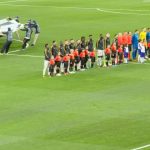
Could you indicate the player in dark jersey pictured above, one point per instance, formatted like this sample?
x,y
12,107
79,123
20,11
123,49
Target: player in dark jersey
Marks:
x,y
90,44
27,37
100,50
107,40
47,56
62,49
83,43
54,49
72,45
67,47
36,27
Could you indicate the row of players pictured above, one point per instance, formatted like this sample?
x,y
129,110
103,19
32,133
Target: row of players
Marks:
x,y
72,56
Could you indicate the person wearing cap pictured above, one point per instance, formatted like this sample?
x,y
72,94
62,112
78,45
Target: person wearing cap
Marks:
x,y
8,42
36,26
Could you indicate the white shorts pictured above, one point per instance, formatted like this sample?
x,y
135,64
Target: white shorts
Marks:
x,y
100,53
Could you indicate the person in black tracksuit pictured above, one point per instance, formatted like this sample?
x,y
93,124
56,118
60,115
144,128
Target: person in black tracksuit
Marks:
x,y
8,42
36,27
83,43
54,49
67,47
90,44
27,37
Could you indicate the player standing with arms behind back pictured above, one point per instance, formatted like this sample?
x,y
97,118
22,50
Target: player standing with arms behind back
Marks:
x,y
47,56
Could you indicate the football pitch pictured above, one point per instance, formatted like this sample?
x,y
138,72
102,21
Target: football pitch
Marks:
x,y
98,109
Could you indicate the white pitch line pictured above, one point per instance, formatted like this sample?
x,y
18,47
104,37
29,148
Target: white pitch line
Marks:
x,y
122,13
142,147
14,51
140,10
12,1
83,8
32,56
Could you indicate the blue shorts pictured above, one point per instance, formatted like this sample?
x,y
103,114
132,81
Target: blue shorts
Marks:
x,y
139,51
142,54
125,55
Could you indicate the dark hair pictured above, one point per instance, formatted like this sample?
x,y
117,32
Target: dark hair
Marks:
x,y
46,44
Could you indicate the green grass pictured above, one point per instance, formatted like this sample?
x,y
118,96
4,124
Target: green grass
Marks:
x,y
100,109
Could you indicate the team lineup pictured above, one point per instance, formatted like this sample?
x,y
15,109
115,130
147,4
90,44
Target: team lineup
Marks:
x,y
71,56
9,26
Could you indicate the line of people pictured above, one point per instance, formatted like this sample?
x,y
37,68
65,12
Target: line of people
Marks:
x,y
71,56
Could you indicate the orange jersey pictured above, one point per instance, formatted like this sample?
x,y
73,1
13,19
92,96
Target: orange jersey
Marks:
x,y
92,54
71,56
66,58
145,44
120,50
82,54
125,39
52,62
76,53
148,45
86,52
57,58
120,40
129,39
113,48
107,51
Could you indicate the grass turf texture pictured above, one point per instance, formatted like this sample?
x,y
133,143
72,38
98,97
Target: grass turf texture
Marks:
x,y
100,109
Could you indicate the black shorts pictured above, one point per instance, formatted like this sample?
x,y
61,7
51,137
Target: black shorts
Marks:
x,y
51,68
92,59
58,63
66,64
72,61
120,56
130,47
107,57
77,59
86,58
82,61
113,55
